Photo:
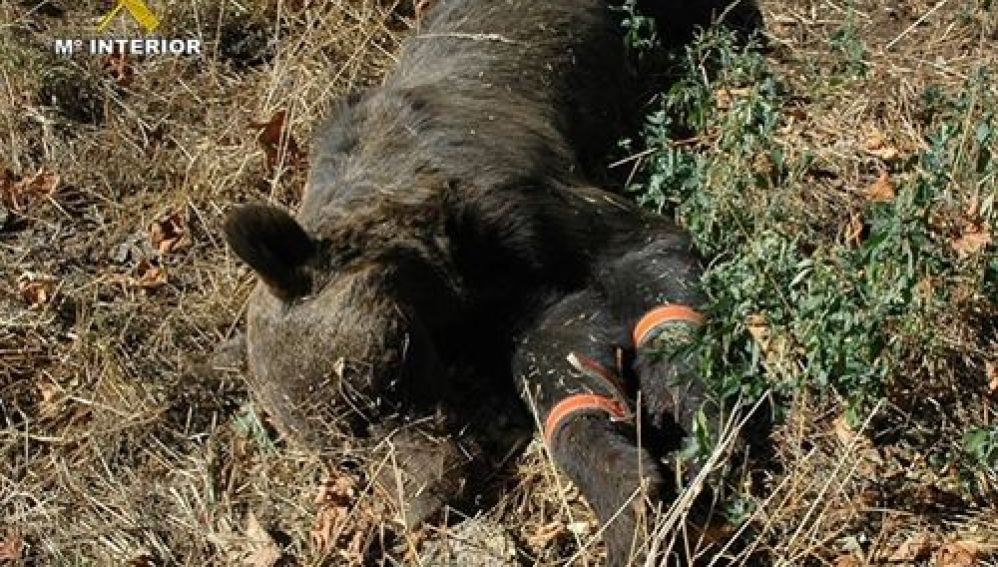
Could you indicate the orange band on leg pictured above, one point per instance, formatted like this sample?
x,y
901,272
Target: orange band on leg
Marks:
x,y
576,403
664,315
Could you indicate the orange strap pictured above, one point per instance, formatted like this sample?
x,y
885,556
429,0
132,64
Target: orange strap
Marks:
x,y
591,368
615,405
576,403
664,315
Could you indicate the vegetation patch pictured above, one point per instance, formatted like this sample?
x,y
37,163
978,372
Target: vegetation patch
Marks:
x,y
863,282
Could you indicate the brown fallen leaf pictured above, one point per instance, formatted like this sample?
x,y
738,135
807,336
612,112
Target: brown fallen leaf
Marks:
x,y
168,234
973,207
19,195
958,554
264,551
714,534
333,510
12,547
276,142
975,237
37,292
925,289
882,190
764,167
353,551
877,145
917,548
149,276
776,347
118,68
7,181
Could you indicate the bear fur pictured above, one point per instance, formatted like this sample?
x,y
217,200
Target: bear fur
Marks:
x,y
443,210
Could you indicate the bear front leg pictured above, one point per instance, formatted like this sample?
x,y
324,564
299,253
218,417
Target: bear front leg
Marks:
x,y
421,467
567,371
616,477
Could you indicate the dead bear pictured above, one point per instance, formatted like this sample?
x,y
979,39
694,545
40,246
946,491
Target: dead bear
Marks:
x,y
440,208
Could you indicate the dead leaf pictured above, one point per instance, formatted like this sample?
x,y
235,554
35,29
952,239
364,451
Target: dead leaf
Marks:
x,y
7,179
776,347
763,166
958,554
169,234
149,276
333,510
37,293
328,522
117,66
925,289
878,146
974,239
264,550
12,548
882,190
146,276
917,548
715,533
353,551
276,142
19,195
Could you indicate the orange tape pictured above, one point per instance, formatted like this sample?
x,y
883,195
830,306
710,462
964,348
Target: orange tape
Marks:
x,y
662,316
576,403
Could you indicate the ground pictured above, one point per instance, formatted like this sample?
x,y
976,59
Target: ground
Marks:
x,y
838,177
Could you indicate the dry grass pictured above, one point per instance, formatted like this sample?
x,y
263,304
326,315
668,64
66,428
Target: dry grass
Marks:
x,y
128,440
848,495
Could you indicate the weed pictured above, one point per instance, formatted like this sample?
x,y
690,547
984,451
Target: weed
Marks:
x,y
792,306
641,34
849,44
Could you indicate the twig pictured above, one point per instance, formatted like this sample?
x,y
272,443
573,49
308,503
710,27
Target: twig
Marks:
x,y
471,36
917,23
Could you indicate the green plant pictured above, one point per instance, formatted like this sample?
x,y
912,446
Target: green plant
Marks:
x,y
791,305
641,34
847,42
981,445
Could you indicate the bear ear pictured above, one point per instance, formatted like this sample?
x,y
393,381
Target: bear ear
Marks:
x,y
274,245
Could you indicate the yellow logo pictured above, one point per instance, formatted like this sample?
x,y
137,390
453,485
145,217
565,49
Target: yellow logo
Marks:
x,y
139,11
